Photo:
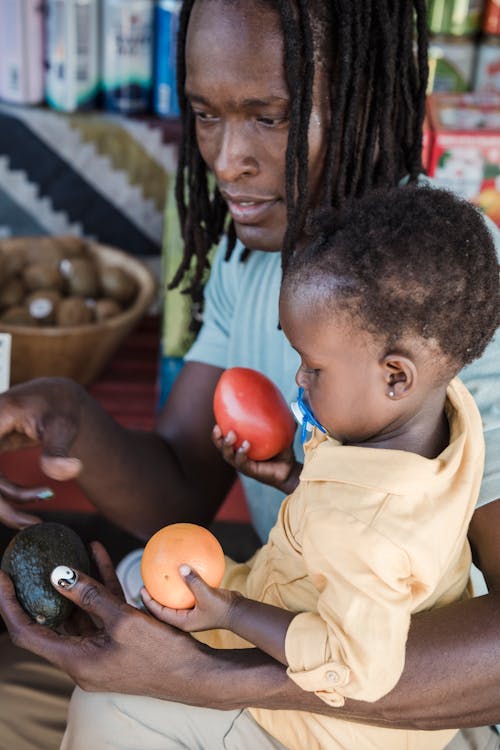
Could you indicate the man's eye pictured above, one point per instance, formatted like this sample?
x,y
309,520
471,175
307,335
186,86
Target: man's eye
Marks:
x,y
204,116
272,122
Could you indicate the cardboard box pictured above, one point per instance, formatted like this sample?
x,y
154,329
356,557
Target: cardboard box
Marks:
x,y
465,150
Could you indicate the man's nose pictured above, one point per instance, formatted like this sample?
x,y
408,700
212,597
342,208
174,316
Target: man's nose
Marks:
x,y
235,156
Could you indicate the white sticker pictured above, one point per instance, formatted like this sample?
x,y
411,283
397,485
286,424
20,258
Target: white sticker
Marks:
x,y
40,308
5,342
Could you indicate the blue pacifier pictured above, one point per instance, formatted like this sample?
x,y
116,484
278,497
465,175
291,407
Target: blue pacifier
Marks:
x,y
304,417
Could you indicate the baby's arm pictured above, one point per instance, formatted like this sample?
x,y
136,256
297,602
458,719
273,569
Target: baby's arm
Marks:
x,y
261,624
352,644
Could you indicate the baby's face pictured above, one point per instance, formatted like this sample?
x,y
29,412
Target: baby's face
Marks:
x,y
341,371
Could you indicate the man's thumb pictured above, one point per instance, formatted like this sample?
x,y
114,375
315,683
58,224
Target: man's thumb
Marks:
x,y
60,468
56,440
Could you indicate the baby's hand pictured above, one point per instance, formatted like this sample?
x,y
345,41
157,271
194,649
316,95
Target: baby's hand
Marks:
x,y
212,608
281,471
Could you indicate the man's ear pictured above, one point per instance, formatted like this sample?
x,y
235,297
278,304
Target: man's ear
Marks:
x,y
400,375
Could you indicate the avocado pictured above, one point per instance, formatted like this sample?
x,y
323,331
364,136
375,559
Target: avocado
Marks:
x,y
12,292
105,308
17,315
70,245
118,284
43,275
82,276
30,558
74,311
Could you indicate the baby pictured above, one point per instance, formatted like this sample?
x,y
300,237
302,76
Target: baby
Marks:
x,y
384,307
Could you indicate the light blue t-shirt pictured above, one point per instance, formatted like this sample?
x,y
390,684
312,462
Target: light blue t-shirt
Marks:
x,y
240,329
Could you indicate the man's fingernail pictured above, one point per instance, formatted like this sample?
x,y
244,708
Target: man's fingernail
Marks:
x,y
184,570
64,577
45,494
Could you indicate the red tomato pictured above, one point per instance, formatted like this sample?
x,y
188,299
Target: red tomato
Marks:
x,y
248,403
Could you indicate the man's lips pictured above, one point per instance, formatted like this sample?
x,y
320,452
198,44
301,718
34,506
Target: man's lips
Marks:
x,y
248,209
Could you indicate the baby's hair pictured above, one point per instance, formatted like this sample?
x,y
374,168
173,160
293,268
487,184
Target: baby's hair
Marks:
x,y
412,260
375,55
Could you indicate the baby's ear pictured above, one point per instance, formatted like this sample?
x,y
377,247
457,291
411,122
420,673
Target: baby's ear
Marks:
x,y
400,375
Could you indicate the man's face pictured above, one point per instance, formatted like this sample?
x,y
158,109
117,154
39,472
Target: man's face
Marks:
x,y
236,86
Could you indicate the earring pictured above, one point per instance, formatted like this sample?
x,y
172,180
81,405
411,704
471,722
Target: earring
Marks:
x,y
391,393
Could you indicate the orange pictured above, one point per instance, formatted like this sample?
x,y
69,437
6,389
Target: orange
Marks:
x,y
172,546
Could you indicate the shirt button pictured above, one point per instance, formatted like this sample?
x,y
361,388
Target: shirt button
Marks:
x,y
332,676
337,702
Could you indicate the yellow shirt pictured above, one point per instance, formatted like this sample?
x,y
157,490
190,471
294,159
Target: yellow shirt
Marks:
x,y
368,537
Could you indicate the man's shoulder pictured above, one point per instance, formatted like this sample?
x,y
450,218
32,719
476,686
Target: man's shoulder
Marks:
x,y
241,261
244,276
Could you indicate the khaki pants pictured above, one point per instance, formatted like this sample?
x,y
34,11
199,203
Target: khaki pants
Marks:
x,y
162,726
34,700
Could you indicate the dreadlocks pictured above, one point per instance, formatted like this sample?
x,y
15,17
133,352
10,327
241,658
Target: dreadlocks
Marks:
x,y
375,56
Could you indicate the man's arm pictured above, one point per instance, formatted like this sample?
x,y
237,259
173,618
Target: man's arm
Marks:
x,y
484,537
451,676
140,480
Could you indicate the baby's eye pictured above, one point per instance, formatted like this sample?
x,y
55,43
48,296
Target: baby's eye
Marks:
x,y
310,370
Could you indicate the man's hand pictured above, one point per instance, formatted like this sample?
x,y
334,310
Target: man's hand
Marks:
x,y
281,471
45,411
12,496
124,650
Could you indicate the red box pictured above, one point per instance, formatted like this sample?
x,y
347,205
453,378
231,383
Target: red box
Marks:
x,y
426,145
465,150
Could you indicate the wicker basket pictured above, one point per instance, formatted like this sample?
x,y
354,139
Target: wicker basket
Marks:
x,y
78,352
